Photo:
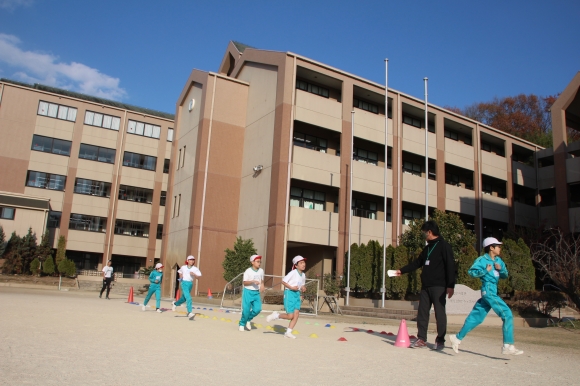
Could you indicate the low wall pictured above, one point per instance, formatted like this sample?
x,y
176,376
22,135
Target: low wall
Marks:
x,y
393,304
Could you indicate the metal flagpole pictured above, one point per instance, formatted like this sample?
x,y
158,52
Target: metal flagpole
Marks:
x,y
426,155
347,289
383,290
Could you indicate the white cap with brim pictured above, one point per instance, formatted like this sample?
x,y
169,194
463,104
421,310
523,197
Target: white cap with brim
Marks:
x,y
296,259
158,265
255,257
190,257
491,241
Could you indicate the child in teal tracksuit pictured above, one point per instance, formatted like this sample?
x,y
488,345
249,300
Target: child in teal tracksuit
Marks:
x,y
155,279
253,281
187,274
489,268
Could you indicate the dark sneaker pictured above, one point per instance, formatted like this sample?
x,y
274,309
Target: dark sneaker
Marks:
x,y
419,343
438,346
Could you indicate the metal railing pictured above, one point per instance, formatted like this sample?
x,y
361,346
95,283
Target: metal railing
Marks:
x,y
117,275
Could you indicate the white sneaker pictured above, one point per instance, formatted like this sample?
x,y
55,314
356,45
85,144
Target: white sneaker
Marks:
x,y
289,335
190,315
511,350
241,328
159,310
143,308
454,343
173,306
273,316
249,326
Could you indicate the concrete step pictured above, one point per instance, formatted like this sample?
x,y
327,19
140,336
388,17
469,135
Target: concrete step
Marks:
x,y
116,288
385,313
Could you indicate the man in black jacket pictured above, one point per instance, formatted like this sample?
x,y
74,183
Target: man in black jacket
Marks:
x,y
437,279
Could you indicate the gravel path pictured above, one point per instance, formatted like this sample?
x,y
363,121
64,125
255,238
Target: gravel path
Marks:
x,y
75,338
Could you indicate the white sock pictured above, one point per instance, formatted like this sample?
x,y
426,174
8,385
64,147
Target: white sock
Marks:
x,y
288,331
506,345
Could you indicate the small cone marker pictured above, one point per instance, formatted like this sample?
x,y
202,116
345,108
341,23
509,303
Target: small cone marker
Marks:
x,y
294,332
341,339
228,320
332,326
214,318
307,323
370,331
130,298
223,319
383,333
313,336
328,325
354,328
316,324
268,327
258,325
390,334
403,336
209,294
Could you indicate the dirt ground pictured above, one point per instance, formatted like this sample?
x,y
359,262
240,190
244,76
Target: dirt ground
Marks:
x,y
74,338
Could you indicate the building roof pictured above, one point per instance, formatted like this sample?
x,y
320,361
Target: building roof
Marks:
x,y
90,98
26,202
241,46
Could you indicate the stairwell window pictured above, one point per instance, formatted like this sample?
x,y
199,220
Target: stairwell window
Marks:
x,y
54,219
159,231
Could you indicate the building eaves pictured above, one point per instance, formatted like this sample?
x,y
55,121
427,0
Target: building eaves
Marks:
x,y
241,47
91,98
24,202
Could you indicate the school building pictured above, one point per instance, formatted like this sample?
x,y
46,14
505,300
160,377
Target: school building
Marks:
x,y
263,151
90,169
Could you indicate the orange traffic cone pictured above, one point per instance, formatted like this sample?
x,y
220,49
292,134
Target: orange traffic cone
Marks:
x,y
403,336
130,298
178,295
209,294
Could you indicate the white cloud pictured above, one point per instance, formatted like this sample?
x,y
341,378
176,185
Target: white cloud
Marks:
x,y
12,4
37,67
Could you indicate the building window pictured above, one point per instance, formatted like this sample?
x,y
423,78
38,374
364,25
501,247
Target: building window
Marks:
x,y
306,198
159,231
368,157
169,135
166,166
51,145
7,213
365,209
53,219
451,135
92,188
144,129
82,222
96,153
102,120
57,111
416,122
183,159
410,215
411,168
178,204
311,88
310,142
132,193
163,198
45,180
452,179
366,106
131,228
139,161
491,148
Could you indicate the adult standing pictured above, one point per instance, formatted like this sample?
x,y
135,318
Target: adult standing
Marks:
x,y
187,273
107,278
437,282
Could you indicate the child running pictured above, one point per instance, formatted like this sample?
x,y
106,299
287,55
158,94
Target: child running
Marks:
x,y
107,278
489,268
187,273
295,284
253,287
155,278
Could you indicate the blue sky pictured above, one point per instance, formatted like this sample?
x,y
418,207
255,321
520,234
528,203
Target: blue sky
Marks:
x,y
141,52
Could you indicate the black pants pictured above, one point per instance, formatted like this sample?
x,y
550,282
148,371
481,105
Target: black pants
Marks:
x,y
107,285
432,296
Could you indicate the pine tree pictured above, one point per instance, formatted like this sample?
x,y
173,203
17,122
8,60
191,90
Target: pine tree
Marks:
x,y
44,250
60,250
35,266
12,258
236,261
2,241
48,267
27,249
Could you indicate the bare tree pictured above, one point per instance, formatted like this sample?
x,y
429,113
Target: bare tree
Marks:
x,y
558,257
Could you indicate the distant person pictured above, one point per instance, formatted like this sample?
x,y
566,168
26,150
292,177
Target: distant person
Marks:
x,y
489,268
437,282
107,278
187,273
295,283
155,278
251,296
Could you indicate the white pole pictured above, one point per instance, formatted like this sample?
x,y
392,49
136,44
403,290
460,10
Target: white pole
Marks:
x,y
347,289
426,155
383,290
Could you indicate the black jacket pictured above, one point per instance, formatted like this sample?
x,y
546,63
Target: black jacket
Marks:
x,y
440,272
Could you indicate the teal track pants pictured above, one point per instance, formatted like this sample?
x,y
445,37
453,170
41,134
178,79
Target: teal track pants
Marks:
x,y
185,295
251,305
154,288
489,300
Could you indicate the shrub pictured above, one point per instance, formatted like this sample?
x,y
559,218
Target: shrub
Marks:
x,y
35,266
331,284
67,267
545,302
48,267
237,260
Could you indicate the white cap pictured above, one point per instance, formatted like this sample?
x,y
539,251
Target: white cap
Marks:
x,y
255,257
490,241
190,257
158,265
296,259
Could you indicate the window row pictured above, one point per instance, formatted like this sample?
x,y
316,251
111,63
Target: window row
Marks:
x,y
92,188
51,145
306,198
311,88
139,161
54,110
144,129
102,120
132,193
131,228
97,153
310,142
7,213
45,180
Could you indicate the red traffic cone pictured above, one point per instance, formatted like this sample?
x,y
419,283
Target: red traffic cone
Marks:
x,y
209,294
178,295
130,298
403,336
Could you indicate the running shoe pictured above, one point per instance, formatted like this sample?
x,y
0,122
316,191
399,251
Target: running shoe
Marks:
x,y
173,306
159,310
273,316
511,350
143,308
454,343
289,335
249,326
241,328
419,343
